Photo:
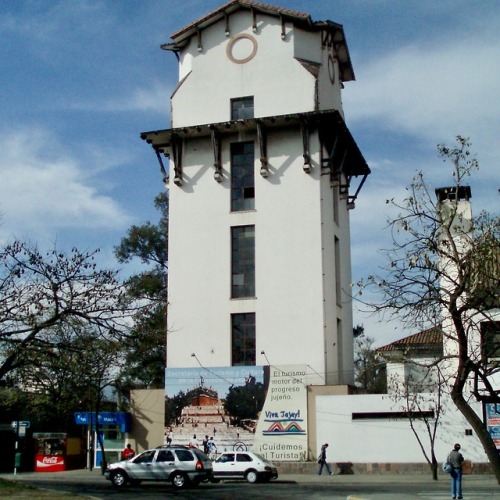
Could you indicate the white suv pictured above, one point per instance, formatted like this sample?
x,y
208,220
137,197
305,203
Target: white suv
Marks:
x,y
177,464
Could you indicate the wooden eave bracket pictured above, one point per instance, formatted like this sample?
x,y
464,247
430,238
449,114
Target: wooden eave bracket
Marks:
x,y
304,128
200,45
216,146
262,136
176,143
162,167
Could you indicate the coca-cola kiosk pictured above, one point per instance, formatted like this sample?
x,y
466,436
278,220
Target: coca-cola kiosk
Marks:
x,y
55,452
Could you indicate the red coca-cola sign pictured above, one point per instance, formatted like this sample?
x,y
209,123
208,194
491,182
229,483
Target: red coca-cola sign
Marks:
x,y
54,463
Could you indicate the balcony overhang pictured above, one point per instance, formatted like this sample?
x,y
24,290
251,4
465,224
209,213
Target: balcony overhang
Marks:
x,y
342,155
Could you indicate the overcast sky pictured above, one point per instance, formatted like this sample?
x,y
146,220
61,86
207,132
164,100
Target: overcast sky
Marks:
x,y
79,81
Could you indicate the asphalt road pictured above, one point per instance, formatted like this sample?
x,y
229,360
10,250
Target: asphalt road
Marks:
x,y
355,487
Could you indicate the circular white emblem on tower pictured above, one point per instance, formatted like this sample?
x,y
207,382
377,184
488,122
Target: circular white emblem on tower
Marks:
x,y
241,48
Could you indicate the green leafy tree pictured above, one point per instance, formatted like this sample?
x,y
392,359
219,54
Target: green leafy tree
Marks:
x,y
245,401
174,407
443,269
146,347
370,371
75,372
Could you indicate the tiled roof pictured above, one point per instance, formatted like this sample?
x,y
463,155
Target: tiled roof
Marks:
x,y
431,338
270,9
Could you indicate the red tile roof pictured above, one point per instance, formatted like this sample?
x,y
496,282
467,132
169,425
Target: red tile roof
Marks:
x,y
431,338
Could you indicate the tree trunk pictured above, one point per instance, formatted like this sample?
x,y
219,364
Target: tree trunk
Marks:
x,y
481,432
434,466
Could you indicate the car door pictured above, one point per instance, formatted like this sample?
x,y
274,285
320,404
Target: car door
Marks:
x,y
140,467
163,465
243,463
225,466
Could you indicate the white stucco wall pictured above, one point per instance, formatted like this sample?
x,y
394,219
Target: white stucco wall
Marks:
x,y
386,441
291,256
299,318
279,83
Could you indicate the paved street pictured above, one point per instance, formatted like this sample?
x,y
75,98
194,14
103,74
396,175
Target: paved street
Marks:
x,y
354,487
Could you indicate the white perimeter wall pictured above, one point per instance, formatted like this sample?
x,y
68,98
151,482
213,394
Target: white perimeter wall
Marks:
x,y
386,441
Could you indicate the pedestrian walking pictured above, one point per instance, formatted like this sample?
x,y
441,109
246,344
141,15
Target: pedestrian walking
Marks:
x,y
322,461
212,448
194,442
205,445
456,459
170,436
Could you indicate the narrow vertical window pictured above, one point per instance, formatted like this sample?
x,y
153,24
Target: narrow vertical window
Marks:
x,y
242,176
490,341
242,261
242,108
336,204
338,282
243,339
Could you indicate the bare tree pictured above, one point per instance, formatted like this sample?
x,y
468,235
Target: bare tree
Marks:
x,y
443,268
421,399
39,291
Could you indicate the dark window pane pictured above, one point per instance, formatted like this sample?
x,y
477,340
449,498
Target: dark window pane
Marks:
x,y
242,176
242,261
242,108
243,339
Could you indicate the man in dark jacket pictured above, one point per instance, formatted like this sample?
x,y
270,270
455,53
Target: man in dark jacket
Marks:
x,y
456,459
322,460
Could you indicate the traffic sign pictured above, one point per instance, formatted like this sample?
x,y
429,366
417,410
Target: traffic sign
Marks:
x,y
20,423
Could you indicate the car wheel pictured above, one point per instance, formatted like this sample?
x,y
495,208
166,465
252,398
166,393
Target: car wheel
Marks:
x,y
179,480
252,476
119,479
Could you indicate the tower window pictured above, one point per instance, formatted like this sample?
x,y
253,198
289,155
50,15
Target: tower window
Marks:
x,y
242,176
490,340
243,261
242,108
243,339
338,282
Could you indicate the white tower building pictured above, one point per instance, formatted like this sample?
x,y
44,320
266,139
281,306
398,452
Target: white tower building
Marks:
x,y
264,174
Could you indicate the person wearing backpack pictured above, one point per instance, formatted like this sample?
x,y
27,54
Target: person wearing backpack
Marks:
x,y
456,459
322,461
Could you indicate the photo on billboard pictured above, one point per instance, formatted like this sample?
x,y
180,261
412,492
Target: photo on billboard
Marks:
x,y
256,408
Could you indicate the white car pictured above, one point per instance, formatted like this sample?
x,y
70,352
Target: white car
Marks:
x,y
243,465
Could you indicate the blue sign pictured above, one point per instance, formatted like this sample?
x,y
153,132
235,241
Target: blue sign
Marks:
x,y
122,419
